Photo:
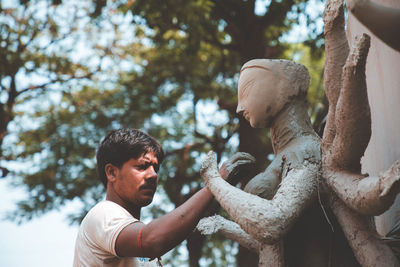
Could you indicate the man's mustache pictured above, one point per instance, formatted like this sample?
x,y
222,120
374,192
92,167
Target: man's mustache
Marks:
x,y
149,185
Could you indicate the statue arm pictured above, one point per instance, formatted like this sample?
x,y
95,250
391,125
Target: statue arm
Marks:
x,y
270,255
229,229
265,220
380,20
370,195
336,50
352,109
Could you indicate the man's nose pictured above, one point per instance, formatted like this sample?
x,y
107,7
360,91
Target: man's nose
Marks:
x,y
151,172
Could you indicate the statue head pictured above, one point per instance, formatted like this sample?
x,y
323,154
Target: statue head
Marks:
x,y
267,86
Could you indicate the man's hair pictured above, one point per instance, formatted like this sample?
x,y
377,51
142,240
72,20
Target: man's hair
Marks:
x,y
121,145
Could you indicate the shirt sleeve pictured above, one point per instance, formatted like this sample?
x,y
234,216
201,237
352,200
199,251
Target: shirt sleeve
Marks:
x,y
105,223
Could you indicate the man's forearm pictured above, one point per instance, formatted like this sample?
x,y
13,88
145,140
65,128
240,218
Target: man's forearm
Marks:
x,y
166,232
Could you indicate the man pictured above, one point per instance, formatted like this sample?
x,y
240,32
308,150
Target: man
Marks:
x,y
111,234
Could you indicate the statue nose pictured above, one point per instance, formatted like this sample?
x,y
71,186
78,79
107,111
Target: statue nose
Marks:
x,y
239,110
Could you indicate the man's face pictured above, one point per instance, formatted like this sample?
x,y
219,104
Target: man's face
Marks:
x,y
258,99
136,181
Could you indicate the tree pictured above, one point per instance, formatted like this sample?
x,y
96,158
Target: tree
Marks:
x,y
184,57
34,58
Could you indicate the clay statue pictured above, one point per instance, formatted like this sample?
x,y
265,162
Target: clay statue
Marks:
x,y
382,21
272,93
307,170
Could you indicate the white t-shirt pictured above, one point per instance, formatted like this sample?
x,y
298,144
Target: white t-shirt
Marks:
x,y
95,243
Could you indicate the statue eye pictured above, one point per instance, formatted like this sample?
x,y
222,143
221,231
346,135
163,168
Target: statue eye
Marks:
x,y
245,88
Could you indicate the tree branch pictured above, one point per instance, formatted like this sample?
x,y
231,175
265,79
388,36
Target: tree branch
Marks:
x,y
41,86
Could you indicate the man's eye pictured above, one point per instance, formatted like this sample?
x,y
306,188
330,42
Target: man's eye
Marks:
x,y
142,167
147,165
156,168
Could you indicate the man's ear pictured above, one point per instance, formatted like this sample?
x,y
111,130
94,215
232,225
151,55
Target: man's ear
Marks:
x,y
111,172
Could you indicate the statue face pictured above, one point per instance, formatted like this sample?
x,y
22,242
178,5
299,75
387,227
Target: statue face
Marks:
x,y
259,98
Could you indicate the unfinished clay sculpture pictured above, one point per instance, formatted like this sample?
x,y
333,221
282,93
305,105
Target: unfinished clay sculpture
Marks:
x,y
306,169
272,93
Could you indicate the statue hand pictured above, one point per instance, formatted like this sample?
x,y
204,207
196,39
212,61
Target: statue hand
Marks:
x,y
209,167
210,225
233,167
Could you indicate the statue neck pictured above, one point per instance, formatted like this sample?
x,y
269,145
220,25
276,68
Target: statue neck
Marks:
x,y
291,123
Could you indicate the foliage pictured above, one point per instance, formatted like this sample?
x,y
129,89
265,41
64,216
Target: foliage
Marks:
x,y
35,56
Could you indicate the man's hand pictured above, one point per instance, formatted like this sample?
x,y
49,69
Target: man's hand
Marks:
x,y
233,167
230,170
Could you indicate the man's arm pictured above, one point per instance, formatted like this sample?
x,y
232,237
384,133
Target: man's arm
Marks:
x,y
164,233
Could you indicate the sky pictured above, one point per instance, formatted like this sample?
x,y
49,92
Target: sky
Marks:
x,y
45,241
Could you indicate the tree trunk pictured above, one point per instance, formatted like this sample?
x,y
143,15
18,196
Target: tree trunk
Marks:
x,y
194,246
